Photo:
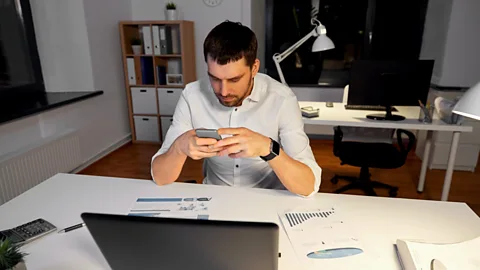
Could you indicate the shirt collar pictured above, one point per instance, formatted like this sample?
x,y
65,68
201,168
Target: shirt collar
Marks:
x,y
258,89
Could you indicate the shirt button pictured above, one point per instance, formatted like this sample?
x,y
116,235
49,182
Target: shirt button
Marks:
x,y
236,166
236,109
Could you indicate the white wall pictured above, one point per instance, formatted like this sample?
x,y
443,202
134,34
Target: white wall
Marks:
x,y
462,60
79,48
451,38
62,42
204,18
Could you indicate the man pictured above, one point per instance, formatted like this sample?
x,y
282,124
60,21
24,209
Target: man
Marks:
x,y
252,112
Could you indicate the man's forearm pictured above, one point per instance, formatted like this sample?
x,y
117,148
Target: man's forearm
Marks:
x,y
295,176
167,167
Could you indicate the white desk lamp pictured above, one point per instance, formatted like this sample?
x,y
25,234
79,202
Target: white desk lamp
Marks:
x,y
469,104
322,43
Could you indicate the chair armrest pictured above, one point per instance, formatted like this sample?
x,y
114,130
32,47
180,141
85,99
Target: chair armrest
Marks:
x,y
411,140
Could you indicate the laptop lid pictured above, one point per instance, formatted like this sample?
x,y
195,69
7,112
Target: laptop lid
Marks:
x,y
135,242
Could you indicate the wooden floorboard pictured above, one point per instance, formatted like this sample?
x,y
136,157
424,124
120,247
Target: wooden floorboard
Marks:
x,y
133,161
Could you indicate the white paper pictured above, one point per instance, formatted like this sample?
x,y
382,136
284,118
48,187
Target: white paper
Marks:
x,y
188,207
321,230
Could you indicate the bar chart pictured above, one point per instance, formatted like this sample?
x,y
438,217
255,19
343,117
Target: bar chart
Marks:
x,y
297,218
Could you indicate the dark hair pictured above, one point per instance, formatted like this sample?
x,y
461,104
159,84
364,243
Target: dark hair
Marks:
x,y
229,42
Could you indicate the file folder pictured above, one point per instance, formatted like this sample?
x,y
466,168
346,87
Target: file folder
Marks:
x,y
168,32
147,39
147,70
163,40
156,40
132,78
175,39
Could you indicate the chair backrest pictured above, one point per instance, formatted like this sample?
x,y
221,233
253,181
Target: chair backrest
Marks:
x,y
339,137
367,135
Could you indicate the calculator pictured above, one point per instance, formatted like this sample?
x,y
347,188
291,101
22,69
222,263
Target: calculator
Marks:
x,y
28,232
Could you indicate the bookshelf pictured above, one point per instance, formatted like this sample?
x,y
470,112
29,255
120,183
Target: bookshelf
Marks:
x,y
152,80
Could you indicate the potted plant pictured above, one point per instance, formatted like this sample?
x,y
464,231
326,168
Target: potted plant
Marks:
x,y
136,45
171,11
11,257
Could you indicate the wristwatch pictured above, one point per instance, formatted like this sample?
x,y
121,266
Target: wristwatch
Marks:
x,y
274,150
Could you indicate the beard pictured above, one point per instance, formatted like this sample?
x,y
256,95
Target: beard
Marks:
x,y
234,100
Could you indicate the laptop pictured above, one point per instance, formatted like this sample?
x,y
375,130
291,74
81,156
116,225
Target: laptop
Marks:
x,y
136,242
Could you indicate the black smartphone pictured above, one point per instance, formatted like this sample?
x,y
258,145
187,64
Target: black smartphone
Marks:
x,y
208,133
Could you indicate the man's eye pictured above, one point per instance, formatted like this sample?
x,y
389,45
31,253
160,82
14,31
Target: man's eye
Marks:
x,y
235,80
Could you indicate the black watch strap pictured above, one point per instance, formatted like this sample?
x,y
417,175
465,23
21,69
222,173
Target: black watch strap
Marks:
x,y
274,151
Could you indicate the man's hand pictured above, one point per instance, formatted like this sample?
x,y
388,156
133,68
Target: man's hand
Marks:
x,y
196,148
243,143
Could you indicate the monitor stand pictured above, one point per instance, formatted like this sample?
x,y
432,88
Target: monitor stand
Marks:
x,y
388,116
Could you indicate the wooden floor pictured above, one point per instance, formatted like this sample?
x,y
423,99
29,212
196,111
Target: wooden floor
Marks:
x,y
133,161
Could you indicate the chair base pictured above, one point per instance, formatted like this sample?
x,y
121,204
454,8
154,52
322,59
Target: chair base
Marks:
x,y
363,183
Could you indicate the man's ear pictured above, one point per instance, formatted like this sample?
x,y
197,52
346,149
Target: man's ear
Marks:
x,y
255,67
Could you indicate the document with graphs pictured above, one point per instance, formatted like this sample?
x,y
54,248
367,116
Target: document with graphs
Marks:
x,y
322,238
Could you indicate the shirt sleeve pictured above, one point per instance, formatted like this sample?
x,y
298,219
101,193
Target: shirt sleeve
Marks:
x,y
182,122
294,141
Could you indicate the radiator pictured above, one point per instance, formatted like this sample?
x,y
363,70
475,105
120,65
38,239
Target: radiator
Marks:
x,y
28,167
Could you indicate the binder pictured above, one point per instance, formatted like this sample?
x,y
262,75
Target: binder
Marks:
x,y
147,39
146,64
162,75
175,39
156,40
168,32
163,40
132,79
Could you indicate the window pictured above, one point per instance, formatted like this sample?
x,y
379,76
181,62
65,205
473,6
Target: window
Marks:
x,y
360,29
20,70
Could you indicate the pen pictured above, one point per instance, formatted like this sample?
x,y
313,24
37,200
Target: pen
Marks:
x,y
71,228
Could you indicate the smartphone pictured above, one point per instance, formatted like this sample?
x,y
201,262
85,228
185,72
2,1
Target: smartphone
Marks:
x,y
208,133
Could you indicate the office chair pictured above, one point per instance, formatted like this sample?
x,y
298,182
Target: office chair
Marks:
x,y
370,155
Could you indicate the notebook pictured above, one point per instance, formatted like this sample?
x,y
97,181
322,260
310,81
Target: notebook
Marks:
x,y
421,255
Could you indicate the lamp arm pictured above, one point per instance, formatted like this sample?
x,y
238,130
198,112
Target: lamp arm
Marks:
x,y
287,52
278,57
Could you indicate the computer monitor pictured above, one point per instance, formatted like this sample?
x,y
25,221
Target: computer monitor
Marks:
x,y
389,83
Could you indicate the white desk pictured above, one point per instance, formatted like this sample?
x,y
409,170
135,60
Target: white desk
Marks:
x,y
378,221
339,116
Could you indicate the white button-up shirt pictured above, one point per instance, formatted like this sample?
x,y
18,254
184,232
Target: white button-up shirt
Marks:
x,y
271,109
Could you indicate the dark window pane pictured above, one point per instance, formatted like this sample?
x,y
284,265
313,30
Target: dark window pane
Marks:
x,y
15,68
360,29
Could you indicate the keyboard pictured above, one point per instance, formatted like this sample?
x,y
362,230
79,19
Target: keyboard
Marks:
x,y
368,108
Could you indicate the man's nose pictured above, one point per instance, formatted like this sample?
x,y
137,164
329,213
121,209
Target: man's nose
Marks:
x,y
224,89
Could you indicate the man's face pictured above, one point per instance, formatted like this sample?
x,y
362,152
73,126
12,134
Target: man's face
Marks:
x,y
231,82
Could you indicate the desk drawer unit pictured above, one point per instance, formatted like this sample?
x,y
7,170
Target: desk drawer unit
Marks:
x,y
144,100
466,159
146,128
468,147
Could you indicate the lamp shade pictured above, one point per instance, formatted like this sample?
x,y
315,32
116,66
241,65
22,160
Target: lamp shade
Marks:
x,y
322,43
469,104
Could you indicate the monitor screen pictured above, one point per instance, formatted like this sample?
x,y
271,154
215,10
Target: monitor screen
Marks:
x,y
389,83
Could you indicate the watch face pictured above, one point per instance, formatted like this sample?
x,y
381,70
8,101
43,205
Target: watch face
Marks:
x,y
275,148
